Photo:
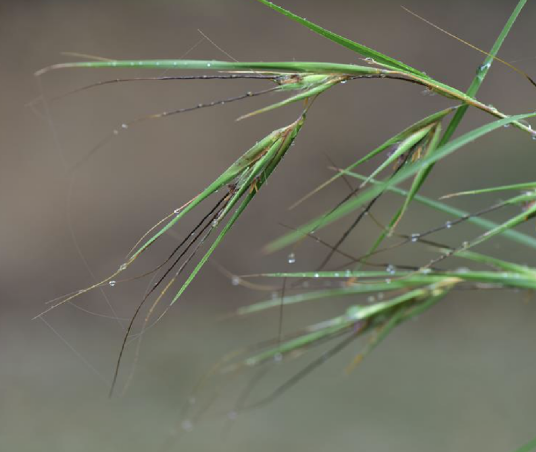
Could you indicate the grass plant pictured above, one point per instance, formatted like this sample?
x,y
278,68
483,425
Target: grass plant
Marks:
x,y
399,294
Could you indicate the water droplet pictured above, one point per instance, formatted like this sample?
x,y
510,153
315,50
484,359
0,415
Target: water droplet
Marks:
x,y
177,211
316,275
235,281
291,258
122,267
348,273
353,313
371,299
343,82
112,283
448,224
465,244
158,63
116,132
387,281
506,126
187,425
215,223
124,126
415,237
175,63
534,136
483,67
391,269
208,64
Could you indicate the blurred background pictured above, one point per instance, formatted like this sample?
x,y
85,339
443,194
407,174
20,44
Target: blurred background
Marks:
x,y
460,378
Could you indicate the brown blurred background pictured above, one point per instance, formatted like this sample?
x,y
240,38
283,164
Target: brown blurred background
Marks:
x,y
460,378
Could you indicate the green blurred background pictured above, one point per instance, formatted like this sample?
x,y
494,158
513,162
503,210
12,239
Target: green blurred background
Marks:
x,y
460,378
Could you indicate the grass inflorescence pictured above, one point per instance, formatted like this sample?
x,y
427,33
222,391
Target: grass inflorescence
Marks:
x,y
394,295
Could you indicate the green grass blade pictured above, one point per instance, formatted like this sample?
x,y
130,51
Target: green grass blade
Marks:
x,y
354,46
386,145
529,447
515,236
260,172
215,65
340,324
511,223
421,175
315,295
354,203
482,72
226,177
496,263
404,147
524,186
458,116
301,96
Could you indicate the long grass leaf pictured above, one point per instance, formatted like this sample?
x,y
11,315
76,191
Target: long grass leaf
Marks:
x,y
354,46
402,175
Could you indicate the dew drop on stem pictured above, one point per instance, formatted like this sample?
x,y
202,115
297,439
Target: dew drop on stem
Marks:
x,y
112,283
291,258
483,67
235,281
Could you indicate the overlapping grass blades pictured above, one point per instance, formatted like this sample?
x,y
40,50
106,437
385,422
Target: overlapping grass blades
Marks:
x,y
419,147
359,200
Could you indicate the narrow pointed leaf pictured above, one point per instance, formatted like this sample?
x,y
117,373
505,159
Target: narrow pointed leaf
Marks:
x,y
354,46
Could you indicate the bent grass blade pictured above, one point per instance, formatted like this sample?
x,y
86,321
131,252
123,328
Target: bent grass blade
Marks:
x,y
402,175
